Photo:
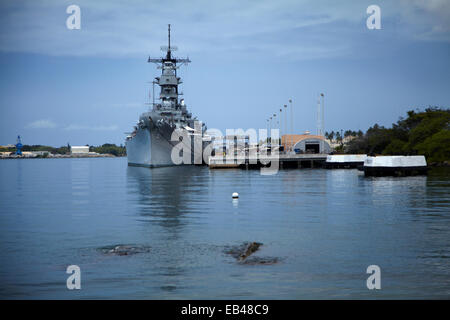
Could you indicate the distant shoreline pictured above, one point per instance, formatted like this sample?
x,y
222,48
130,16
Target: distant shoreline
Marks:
x,y
63,156
42,151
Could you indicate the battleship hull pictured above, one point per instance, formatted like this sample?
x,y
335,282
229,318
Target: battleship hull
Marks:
x,y
152,146
152,142
149,148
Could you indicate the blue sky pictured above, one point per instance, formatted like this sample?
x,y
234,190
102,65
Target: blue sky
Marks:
x,y
89,86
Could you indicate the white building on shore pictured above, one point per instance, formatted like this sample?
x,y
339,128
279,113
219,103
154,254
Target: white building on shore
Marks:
x,y
79,150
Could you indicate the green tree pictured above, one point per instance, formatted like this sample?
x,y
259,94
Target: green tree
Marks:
x,y
421,132
437,147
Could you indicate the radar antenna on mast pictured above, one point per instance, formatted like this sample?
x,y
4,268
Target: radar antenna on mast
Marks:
x,y
169,48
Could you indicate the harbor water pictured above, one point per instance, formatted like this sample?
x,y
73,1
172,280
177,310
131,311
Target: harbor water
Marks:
x,y
320,229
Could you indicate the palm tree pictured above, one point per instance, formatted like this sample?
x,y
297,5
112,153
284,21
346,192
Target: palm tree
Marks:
x,y
332,134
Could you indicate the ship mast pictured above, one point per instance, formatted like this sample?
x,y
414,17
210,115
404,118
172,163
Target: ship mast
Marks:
x,y
169,57
168,48
168,81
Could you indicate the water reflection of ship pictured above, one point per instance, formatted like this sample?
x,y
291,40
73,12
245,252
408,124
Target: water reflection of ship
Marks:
x,y
163,206
164,196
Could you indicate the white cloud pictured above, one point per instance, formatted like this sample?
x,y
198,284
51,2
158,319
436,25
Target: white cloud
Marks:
x,y
48,124
135,28
74,127
106,128
430,19
42,124
120,105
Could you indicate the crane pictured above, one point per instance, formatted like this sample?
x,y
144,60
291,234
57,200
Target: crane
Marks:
x,y
19,146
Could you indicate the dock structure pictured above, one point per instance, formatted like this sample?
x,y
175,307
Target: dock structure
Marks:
x,y
291,151
395,166
345,161
288,160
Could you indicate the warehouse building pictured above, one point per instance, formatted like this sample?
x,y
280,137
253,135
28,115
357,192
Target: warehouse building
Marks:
x,y
305,143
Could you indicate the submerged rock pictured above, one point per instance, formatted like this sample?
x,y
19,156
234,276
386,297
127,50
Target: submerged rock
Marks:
x,y
239,251
243,252
124,250
250,249
260,260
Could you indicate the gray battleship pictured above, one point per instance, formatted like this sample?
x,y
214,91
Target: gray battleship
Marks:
x,y
152,142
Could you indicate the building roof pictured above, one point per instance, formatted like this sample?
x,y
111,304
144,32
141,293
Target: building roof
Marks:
x,y
287,138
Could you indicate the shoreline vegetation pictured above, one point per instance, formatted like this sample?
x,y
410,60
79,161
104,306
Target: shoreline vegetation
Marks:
x,y
424,133
420,133
42,151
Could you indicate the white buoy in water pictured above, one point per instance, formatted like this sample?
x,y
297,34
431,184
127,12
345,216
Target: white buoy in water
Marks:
x,y
235,195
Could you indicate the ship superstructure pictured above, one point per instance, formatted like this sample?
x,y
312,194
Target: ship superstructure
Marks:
x,y
151,143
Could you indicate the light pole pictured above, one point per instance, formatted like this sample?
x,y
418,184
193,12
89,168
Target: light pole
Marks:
x,y
267,127
319,125
292,125
322,122
285,127
274,116
270,130
281,125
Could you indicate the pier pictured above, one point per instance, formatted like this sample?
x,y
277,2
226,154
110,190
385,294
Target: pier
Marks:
x,y
395,166
260,160
341,161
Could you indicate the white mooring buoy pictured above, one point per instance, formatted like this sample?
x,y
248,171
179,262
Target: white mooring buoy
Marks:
x,y
235,195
